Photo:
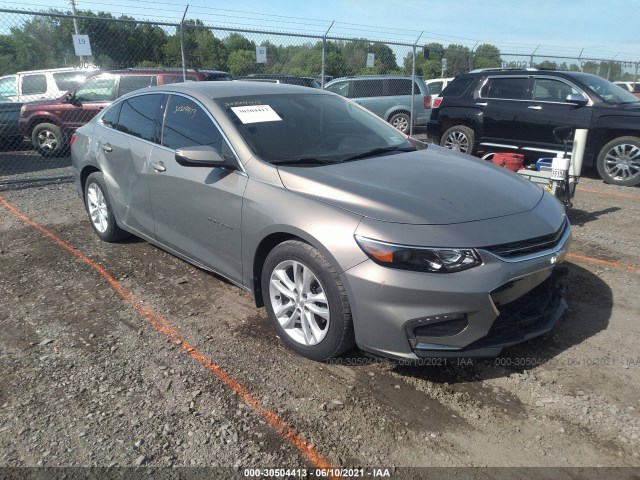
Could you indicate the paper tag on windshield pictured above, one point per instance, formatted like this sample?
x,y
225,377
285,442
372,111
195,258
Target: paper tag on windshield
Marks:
x,y
256,113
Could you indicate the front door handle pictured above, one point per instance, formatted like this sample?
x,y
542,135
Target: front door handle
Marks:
x,y
158,166
534,107
105,146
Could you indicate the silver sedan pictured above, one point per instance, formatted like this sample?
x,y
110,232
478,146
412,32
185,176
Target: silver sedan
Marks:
x,y
347,231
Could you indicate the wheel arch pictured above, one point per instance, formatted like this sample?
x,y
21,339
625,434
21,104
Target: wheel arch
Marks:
x,y
84,174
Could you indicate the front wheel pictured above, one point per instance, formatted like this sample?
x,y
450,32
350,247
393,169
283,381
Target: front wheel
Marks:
x,y
306,301
47,138
619,161
458,138
401,121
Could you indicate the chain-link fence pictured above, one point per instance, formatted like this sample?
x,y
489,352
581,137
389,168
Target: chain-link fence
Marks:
x,y
60,83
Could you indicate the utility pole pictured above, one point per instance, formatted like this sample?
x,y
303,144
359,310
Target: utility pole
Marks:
x,y
75,24
182,48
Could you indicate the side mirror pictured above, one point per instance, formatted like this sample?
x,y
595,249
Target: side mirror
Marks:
x,y
71,98
201,155
577,99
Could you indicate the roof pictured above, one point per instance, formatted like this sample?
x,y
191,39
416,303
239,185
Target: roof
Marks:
x,y
237,88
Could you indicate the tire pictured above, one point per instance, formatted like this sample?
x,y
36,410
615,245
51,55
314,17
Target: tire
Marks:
x,y
401,121
99,209
329,330
619,161
48,139
459,138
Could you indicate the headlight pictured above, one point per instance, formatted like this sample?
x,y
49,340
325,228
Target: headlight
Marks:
x,y
419,259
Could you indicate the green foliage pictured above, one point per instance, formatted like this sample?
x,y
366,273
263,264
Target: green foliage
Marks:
x,y
45,42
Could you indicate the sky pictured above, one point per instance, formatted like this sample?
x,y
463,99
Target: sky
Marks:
x,y
561,27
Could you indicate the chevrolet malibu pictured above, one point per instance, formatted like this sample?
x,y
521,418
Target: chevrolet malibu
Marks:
x,y
347,231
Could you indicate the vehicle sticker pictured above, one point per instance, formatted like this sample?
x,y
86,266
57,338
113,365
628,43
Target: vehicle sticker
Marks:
x,y
186,109
256,114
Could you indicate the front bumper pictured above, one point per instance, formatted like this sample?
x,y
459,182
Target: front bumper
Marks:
x,y
399,314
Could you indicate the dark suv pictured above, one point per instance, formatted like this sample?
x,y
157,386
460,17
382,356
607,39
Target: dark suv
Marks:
x,y
519,110
50,123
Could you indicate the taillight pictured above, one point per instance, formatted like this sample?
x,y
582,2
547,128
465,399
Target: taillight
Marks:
x,y
73,139
437,103
427,102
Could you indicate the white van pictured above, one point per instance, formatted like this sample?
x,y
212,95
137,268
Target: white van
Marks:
x,y
42,84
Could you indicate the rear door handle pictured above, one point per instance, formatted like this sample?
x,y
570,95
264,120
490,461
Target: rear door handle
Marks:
x,y
482,104
105,146
534,107
158,166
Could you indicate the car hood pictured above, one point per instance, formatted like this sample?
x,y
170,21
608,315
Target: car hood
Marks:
x,y
427,187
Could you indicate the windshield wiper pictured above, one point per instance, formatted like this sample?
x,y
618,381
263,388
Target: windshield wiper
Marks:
x,y
376,151
303,161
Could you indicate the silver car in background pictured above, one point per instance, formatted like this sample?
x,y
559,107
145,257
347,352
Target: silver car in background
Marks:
x,y
346,230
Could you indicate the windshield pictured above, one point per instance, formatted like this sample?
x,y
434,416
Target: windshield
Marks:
x,y
310,127
606,90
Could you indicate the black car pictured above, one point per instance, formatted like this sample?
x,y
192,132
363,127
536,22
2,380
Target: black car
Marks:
x,y
518,110
9,116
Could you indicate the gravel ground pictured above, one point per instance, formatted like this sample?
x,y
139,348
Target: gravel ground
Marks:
x,y
86,380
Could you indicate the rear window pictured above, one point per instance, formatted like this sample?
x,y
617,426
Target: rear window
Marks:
x,y
457,87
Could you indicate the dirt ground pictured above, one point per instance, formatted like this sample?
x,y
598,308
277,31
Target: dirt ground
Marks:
x,y
87,380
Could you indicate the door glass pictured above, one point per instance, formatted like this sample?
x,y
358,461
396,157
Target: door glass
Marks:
x,y
130,83
550,90
97,90
138,117
34,84
67,80
187,124
505,88
8,87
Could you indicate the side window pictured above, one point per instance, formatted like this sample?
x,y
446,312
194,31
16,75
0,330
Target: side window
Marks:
x,y
367,88
34,84
138,117
130,83
550,90
168,79
186,124
505,88
67,80
341,88
110,116
8,86
401,86
97,90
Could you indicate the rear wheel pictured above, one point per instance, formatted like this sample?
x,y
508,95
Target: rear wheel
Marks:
x,y
619,161
401,121
306,301
458,138
99,209
47,138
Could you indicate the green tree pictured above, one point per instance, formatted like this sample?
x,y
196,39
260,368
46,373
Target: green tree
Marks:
x,y
242,62
487,56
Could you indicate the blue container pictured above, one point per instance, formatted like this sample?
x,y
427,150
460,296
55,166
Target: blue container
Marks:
x,y
544,164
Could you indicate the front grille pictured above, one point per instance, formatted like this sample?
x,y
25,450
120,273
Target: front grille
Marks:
x,y
529,313
530,246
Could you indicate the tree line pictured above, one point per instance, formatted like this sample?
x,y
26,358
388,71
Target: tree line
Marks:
x,y
45,42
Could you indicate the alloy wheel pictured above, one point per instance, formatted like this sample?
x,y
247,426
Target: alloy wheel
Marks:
x,y
299,302
457,141
97,208
622,162
47,140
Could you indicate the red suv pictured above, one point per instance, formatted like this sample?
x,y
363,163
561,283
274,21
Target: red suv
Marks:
x,y
50,123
